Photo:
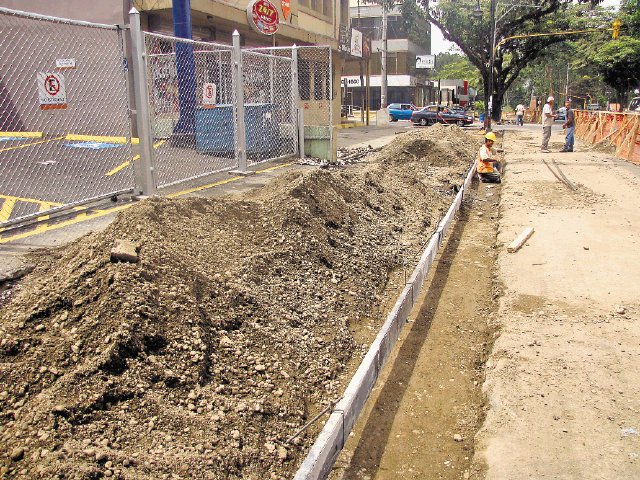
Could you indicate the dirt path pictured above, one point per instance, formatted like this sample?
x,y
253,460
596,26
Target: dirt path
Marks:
x,y
421,419
561,391
563,381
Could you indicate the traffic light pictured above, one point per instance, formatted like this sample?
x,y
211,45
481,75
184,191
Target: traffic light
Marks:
x,y
616,29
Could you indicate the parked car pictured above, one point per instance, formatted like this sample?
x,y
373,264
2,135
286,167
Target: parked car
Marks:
x,y
594,107
438,114
401,111
562,114
634,105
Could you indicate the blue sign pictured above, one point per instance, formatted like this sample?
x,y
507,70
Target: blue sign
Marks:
x,y
11,139
92,145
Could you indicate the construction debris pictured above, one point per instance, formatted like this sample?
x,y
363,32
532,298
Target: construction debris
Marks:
x,y
520,239
234,328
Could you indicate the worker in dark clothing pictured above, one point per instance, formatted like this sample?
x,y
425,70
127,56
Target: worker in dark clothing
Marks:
x,y
570,125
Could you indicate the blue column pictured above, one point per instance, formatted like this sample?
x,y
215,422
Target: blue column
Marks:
x,y
185,67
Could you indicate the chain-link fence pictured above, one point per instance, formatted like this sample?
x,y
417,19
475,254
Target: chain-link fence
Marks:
x,y
316,86
191,94
64,122
200,108
270,105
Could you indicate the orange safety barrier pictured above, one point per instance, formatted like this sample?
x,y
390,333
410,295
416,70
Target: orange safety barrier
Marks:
x,y
622,130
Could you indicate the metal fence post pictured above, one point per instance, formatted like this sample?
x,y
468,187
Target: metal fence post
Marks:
x,y
295,87
240,130
145,183
332,145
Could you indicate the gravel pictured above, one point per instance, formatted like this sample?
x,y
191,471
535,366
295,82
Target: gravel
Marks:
x,y
231,331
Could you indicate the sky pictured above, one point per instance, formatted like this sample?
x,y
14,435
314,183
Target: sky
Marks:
x,y
440,45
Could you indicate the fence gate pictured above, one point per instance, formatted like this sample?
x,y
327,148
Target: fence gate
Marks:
x,y
64,120
201,108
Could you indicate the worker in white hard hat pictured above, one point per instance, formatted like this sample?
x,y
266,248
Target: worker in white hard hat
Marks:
x,y
547,122
489,167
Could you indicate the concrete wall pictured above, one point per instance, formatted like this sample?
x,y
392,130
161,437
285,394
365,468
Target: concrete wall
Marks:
x,y
101,11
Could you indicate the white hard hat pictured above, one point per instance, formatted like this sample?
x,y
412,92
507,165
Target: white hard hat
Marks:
x,y
550,99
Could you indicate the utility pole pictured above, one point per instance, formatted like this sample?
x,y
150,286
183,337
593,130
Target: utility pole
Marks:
x,y
492,22
362,91
383,72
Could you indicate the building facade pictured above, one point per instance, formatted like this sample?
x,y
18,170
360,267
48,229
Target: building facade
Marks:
x,y
301,22
405,82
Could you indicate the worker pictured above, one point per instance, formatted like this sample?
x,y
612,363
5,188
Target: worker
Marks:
x,y
489,167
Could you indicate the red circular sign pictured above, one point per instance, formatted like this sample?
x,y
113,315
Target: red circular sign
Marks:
x,y
51,85
263,16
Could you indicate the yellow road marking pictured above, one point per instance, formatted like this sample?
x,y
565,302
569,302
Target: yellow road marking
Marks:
x,y
31,200
128,162
21,134
274,168
101,213
30,144
7,208
66,223
100,138
203,187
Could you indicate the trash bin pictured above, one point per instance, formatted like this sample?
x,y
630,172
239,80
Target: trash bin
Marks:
x,y
482,118
214,128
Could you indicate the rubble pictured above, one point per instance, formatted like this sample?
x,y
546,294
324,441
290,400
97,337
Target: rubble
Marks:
x,y
232,330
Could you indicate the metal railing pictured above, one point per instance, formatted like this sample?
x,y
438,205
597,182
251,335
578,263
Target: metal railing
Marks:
x,y
69,135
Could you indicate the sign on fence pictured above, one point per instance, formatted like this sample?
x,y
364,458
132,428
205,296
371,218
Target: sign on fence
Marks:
x,y
51,90
65,63
209,94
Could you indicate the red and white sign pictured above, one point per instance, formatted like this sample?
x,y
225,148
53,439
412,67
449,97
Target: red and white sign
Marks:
x,y
51,90
263,16
209,94
286,9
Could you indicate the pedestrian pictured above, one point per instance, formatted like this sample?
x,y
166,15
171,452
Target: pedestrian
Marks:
x,y
489,167
569,124
520,114
547,122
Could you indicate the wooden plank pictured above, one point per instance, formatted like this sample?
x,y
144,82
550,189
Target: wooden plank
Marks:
x,y
520,239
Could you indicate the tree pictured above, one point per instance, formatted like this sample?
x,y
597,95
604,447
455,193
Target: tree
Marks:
x,y
455,65
472,34
618,61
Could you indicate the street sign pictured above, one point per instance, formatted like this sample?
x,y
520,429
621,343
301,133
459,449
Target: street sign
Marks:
x,y
425,61
51,91
356,43
209,94
65,63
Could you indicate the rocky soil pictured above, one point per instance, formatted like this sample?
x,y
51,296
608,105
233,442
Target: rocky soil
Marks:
x,y
233,329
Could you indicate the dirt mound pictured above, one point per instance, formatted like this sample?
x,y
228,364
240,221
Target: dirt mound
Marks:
x,y
233,328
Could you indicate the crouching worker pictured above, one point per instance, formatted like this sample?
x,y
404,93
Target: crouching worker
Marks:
x,y
489,167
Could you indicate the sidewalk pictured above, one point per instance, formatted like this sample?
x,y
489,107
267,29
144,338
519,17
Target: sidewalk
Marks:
x,y
562,382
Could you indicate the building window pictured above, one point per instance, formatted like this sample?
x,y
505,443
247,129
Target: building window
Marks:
x,y
322,7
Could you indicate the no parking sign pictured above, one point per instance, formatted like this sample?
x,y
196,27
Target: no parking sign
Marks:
x,y
51,91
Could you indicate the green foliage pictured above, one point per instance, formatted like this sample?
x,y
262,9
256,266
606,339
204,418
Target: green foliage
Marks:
x,y
457,66
631,12
415,23
478,106
618,61
473,34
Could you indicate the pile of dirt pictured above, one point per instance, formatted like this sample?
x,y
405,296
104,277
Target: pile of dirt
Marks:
x,y
229,333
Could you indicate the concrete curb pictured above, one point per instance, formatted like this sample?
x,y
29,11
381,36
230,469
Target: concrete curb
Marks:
x,y
331,440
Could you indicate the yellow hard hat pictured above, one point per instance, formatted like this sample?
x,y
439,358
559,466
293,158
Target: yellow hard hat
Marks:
x,y
490,136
